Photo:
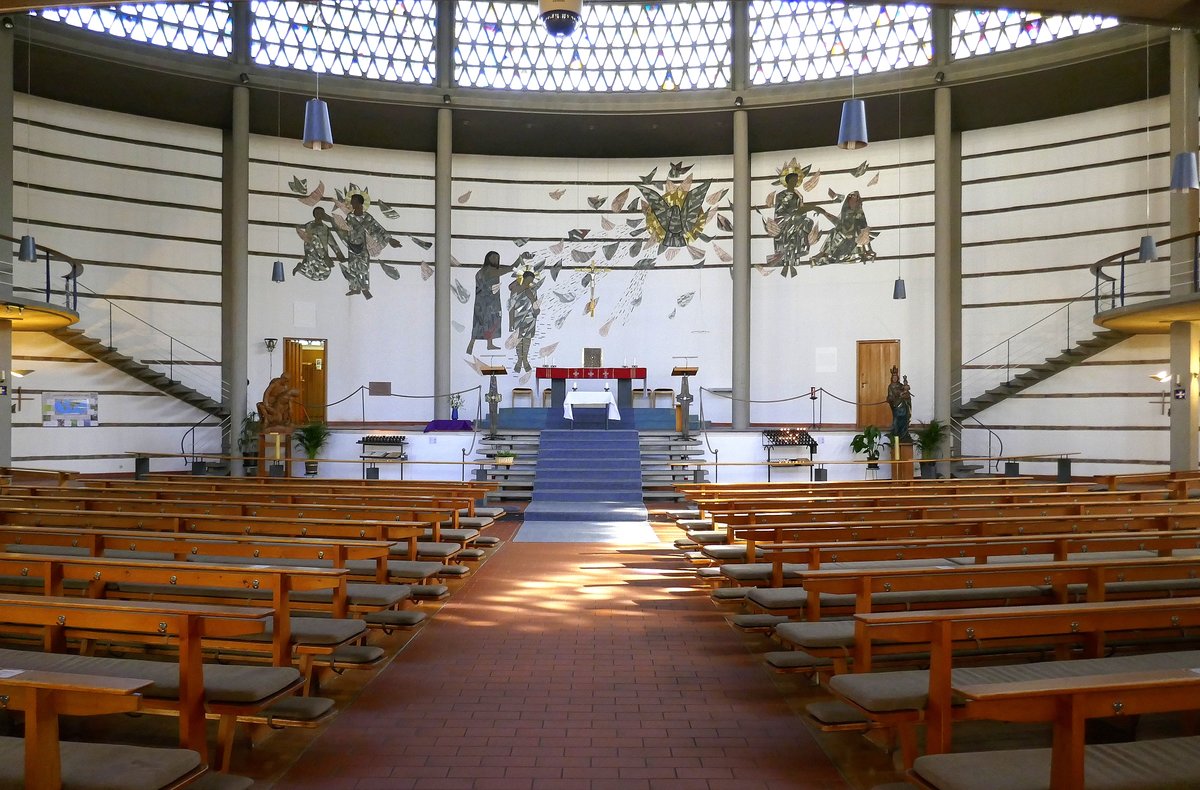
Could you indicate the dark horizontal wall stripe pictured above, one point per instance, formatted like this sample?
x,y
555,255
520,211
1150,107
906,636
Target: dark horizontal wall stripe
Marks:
x,y
1078,201
115,165
120,297
120,393
116,231
340,172
1055,236
143,267
1140,160
1042,270
1088,395
47,358
1066,143
74,457
1087,363
1074,428
136,141
1086,301
116,198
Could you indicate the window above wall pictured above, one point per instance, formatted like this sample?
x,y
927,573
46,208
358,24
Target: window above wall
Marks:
x,y
619,47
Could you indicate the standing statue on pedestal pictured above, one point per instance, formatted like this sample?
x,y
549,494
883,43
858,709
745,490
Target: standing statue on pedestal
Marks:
x,y
899,397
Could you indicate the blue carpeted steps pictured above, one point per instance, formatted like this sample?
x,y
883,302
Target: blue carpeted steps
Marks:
x,y
587,484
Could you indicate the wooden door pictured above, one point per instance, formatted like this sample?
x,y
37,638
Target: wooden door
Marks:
x,y
305,362
875,361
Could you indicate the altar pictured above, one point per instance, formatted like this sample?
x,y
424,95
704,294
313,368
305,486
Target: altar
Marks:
x,y
558,377
604,398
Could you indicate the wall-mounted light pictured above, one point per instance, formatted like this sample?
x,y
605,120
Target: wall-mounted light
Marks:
x,y
270,343
1162,377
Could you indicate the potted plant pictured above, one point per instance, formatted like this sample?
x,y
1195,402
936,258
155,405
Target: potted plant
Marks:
x,y
871,441
248,440
311,439
505,457
456,402
929,442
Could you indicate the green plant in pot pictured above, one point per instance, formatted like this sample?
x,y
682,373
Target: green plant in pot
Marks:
x,y
871,441
929,441
505,457
248,440
311,439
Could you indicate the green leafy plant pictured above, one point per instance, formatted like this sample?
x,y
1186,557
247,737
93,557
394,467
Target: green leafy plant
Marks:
x,y
248,436
312,438
456,401
930,438
871,441
505,454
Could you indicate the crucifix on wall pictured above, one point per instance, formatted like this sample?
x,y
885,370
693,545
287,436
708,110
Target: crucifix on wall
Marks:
x,y
19,398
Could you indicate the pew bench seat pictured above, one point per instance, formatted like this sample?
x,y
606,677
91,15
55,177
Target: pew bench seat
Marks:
x,y
102,766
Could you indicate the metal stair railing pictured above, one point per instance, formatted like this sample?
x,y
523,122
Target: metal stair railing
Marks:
x,y
134,337
187,442
995,444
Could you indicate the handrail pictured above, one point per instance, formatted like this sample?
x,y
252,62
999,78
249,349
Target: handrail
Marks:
x,y
72,295
150,325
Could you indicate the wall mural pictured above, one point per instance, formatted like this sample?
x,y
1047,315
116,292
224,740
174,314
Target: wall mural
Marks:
x,y
670,222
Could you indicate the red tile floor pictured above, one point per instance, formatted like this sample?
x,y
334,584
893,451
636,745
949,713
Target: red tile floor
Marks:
x,y
571,665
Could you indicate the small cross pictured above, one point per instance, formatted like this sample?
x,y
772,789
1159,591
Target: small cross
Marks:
x,y
18,398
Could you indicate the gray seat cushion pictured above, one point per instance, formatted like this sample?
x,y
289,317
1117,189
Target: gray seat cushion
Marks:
x,y
822,633
407,570
314,631
758,571
482,510
1168,764
772,598
729,551
450,535
102,766
439,551
223,683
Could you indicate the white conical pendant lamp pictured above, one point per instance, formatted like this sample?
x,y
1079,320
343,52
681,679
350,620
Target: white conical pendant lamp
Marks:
x,y
1183,173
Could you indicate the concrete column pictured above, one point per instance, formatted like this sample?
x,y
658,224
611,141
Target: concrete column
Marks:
x,y
741,271
6,226
1185,342
1185,74
445,44
1185,417
235,250
947,261
441,262
739,45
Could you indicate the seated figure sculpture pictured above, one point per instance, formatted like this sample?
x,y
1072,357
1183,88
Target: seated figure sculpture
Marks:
x,y
275,408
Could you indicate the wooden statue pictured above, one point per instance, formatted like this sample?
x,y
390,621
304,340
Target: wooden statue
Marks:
x,y
275,408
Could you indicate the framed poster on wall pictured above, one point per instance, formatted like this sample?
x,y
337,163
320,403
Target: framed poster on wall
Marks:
x,y
70,409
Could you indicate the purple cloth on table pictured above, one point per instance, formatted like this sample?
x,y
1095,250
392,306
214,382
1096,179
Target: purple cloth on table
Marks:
x,y
449,425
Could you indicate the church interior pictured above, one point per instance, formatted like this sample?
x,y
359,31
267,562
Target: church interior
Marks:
x,y
550,394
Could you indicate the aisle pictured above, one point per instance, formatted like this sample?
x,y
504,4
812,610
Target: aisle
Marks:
x,y
571,666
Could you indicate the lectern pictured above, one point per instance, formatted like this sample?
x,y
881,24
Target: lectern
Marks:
x,y
493,396
684,398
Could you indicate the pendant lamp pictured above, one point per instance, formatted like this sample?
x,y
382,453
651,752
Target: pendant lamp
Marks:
x,y
1146,252
852,134
28,252
898,291
318,135
277,272
1183,173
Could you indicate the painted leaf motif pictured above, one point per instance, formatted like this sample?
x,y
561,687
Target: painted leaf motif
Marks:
x,y
426,270
562,319
722,256
461,293
557,248
607,326
811,182
606,223
834,195
770,202
389,270
578,234
339,222
644,263
300,232
558,193
672,315
586,281
724,224
864,237
454,261
520,242
565,298
591,307
635,249
525,377
618,203
858,171
298,185
646,179
582,256
874,180
686,299
387,210
635,205
596,202
814,235
510,342
554,270
314,197
546,351
458,327
421,242
671,253
696,253
763,270
715,198
771,226
610,250
464,197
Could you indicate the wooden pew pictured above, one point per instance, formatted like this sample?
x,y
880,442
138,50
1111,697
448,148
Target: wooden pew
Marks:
x,y
1069,703
942,631
184,625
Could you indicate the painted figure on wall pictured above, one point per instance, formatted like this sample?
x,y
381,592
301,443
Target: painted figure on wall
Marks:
x,y
485,321
850,237
899,397
364,238
794,224
676,216
318,238
523,311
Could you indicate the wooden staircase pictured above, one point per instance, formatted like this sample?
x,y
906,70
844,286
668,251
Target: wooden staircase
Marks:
x,y
143,373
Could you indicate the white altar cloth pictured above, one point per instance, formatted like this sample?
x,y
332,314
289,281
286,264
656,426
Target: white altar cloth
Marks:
x,y
576,397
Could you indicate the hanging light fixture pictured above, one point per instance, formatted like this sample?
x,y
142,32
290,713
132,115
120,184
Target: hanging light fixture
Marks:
x,y
318,135
277,272
1146,247
852,133
28,249
1183,173
560,17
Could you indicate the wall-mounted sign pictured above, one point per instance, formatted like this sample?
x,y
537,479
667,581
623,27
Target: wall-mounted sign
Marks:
x,y
70,409
1180,393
